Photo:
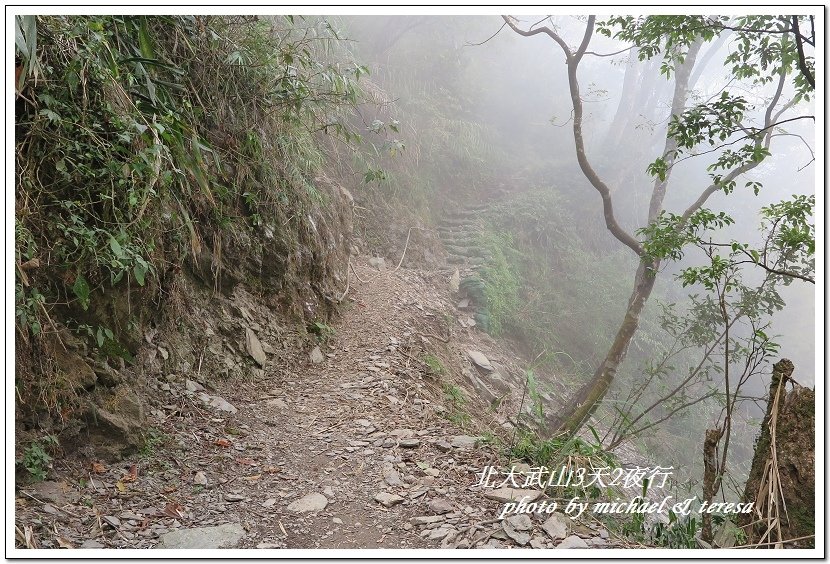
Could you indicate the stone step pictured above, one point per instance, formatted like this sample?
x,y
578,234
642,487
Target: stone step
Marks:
x,y
456,259
466,213
460,222
472,251
460,241
467,231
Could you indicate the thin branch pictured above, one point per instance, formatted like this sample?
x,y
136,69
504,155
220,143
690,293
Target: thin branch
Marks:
x,y
768,114
701,65
732,175
486,40
540,21
509,20
589,31
811,161
628,434
812,40
772,270
609,54
694,372
812,154
747,136
681,90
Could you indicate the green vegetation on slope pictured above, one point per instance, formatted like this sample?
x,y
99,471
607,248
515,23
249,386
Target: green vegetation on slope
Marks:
x,y
146,143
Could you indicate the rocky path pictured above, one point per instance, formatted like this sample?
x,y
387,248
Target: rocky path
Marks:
x,y
346,445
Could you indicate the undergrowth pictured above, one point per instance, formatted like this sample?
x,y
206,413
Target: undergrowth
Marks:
x,y
143,141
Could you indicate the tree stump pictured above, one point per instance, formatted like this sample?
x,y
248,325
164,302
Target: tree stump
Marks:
x,y
782,478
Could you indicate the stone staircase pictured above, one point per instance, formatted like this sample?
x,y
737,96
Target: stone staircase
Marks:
x,y
459,230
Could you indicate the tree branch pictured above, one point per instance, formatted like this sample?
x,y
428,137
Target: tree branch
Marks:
x,y
510,20
802,63
767,137
572,60
486,40
609,54
772,270
747,136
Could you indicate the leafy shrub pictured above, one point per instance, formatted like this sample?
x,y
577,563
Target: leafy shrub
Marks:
x,y
142,135
501,281
36,459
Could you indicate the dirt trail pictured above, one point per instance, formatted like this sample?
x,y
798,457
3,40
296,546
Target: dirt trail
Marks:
x,y
351,446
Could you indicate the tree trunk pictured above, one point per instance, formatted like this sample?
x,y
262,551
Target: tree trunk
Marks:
x,y
586,401
626,105
710,472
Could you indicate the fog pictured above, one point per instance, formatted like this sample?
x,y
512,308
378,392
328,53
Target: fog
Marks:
x,y
516,90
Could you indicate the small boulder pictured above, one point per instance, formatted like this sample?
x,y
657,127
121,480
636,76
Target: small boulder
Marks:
x,y
426,520
392,476
506,495
516,527
192,386
572,541
455,281
222,536
440,506
464,442
387,499
556,526
254,347
310,503
480,360
200,479
316,355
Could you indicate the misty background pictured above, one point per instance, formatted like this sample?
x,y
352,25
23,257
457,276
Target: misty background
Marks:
x,y
485,114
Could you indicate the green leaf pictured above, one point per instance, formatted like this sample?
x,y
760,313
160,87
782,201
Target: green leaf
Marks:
x,y
52,116
19,40
139,271
30,31
82,291
117,250
595,434
144,41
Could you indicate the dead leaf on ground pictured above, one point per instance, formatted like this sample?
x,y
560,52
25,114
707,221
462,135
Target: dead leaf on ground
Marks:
x,y
121,487
253,478
131,475
247,461
222,443
64,542
175,510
